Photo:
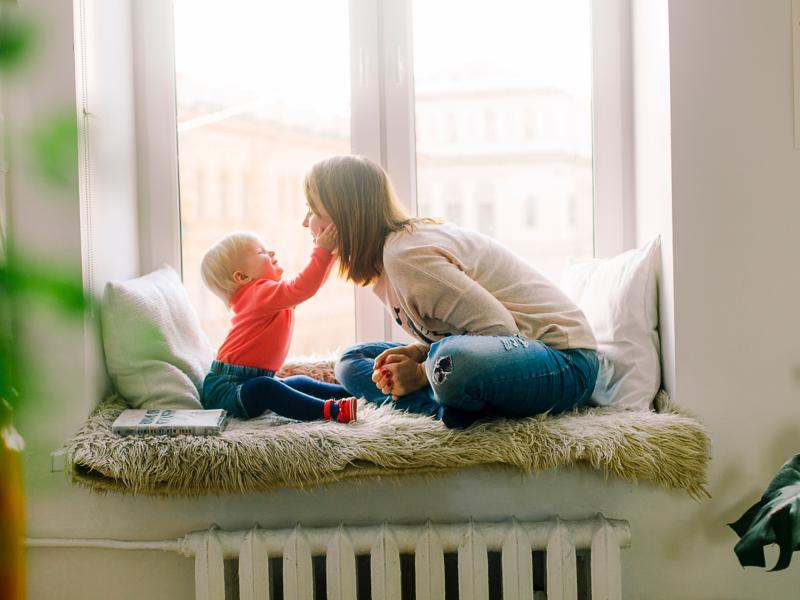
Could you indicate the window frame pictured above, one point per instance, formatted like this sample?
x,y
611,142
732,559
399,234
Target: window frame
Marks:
x,y
382,95
153,40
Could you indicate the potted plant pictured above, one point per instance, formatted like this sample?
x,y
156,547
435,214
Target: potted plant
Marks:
x,y
775,519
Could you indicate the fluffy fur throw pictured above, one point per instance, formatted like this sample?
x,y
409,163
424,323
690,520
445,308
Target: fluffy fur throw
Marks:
x,y
667,447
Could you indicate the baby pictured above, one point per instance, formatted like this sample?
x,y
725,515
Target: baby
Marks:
x,y
247,277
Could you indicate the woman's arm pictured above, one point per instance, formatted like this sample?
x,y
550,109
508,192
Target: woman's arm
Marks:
x,y
436,289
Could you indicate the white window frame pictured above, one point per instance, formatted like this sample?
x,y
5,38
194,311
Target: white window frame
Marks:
x,y
366,99
153,39
612,128
382,95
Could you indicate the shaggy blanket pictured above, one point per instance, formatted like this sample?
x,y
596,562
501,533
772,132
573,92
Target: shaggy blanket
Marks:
x,y
667,447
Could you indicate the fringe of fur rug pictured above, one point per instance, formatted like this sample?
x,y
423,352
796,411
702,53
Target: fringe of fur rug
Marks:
x,y
669,448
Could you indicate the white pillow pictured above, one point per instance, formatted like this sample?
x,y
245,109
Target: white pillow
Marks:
x,y
620,299
156,353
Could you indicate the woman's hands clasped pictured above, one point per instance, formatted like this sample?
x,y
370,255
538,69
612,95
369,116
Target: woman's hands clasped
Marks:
x,y
400,371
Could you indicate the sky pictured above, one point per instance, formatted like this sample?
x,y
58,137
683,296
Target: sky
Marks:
x,y
298,52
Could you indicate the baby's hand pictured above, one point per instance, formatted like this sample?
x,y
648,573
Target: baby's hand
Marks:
x,y
328,238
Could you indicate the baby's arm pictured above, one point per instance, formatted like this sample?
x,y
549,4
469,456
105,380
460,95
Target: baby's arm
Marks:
x,y
294,291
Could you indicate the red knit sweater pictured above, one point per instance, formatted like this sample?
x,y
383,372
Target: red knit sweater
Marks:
x,y
263,320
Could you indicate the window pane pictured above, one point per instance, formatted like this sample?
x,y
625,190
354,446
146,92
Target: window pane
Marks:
x,y
503,122
258,104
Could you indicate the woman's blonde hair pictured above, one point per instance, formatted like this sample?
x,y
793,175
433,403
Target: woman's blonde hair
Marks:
x,y
362,203
221,260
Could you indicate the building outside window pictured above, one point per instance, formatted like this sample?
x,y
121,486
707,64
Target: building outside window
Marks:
x,y
253,104
499,68
531,207
486,218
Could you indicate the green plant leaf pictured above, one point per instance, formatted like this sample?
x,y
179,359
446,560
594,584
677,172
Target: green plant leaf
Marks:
x,y
17,37
54,146
773,519
19,281
18,277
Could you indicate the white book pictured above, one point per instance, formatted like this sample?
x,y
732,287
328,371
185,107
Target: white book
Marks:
x,y
170,422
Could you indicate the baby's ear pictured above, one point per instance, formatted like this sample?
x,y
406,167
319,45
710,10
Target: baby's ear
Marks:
x,y
239,277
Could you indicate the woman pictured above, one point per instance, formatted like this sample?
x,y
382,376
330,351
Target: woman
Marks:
x,y
495,337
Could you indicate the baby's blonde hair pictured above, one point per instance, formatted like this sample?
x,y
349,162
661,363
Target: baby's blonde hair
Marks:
x,y
220,262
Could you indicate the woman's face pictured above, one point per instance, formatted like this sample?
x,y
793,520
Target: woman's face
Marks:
x,y
316,219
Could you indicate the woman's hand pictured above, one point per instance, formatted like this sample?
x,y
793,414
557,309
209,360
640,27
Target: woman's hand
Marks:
x,y
400,373
328,238
412,351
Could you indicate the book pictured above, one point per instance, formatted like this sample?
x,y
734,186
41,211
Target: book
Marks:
x,y
170,422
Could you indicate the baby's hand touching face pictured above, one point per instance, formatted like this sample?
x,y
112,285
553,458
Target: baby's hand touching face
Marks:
x,y
328,238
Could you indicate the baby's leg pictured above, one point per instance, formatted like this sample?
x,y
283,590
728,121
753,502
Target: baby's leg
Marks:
x,y
267,393
318,389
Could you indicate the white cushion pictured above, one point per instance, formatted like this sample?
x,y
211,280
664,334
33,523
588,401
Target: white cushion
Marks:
x,y
156,352
620,299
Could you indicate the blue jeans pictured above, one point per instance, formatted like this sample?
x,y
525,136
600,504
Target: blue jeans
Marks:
x,y
475,377
246,392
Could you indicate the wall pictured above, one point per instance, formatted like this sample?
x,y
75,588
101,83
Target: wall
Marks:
x,y
717,176
735,192
733,178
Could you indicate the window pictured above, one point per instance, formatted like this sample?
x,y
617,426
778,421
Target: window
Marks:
x,y
452,212
521,61
521,100
531,212
572,217
490,126
250,111
486,218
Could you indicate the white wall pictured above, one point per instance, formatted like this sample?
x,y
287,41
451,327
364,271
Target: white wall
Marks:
x,y
735,208
717,176
733,178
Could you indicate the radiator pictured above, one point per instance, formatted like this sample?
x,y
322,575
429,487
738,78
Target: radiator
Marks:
x,y
299,549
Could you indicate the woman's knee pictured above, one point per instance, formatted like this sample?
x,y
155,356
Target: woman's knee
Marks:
x,y
342,369
355,362
358,359
354,351
450,359
453,367
344,364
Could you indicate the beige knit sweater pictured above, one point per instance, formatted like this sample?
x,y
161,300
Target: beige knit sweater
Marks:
x,y
441,280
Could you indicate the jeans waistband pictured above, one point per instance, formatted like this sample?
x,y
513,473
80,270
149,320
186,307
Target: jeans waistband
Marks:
x,y
221,368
